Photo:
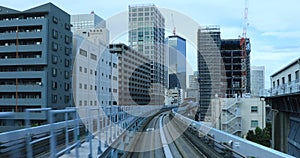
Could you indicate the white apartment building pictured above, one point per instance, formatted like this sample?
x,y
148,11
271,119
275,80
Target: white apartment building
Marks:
x,y
95,68
238,115
286,80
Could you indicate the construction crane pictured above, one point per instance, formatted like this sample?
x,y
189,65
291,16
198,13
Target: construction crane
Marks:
x,y
245,26
243,44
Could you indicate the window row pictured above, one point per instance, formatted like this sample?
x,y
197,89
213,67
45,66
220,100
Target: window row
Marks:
x,y
55,98
85,86
55,85
86,70
289,79
67,25
85,103
54,73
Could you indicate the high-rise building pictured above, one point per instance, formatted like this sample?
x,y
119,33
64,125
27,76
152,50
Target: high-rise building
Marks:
x,y
237,66
146,35
35,60
211,83
177,62
224,67
87,21
193,90
87,25
133,75
257,80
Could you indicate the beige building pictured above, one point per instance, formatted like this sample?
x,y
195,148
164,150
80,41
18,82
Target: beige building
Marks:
x,y
133,76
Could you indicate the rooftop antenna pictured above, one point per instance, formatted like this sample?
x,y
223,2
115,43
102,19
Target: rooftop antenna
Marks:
x,y
174,28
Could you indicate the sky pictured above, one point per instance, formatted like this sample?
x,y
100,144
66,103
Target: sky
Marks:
x,y
273,26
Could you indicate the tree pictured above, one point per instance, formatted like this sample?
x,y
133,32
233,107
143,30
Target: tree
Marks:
x,y
261,136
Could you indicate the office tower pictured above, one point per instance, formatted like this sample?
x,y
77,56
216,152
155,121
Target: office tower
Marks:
x,y
257,80
87,21
35,57
211,83
146,35
193,90
133,77
177,62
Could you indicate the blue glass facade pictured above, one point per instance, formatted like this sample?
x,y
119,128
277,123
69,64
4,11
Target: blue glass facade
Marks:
x,y
177,62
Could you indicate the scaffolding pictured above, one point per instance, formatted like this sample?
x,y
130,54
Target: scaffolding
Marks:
x,y
210,65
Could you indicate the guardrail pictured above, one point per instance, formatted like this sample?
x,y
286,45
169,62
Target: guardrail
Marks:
x,y
64,135
239,147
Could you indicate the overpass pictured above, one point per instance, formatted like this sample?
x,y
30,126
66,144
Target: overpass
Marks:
x,y
126,131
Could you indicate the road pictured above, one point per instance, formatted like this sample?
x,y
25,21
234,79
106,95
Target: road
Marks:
x,y
150,142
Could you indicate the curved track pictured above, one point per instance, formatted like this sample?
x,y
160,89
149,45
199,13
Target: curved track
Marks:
x,y
150,145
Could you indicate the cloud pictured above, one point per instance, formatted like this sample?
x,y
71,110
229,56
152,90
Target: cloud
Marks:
x,y
283,34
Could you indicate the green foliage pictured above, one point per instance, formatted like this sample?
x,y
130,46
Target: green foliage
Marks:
x,y
261,136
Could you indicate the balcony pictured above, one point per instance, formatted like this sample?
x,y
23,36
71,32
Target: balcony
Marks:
x,y
21,88
288,88
27,48
22,101
21,35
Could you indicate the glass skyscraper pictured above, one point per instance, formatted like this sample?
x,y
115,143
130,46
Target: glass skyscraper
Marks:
x,y
146,35
177,62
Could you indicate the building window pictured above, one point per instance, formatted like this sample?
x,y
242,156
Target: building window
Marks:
x,y
91,87
254,123
91,103
278,82
85,103
85,70
289,78
67,99
54,59
67,86
91,71
67,51
95,88
254,109
67,39
54,34
283,80
80,69
80,85
54,85
93,56
54,98
67,74
67,26
54,46
297,75
273,83
95,73
55,20
67,62
80,103
83,52
85,86
54,72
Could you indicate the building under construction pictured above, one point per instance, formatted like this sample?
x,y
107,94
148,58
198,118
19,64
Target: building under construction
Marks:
x,y
236,59
224,68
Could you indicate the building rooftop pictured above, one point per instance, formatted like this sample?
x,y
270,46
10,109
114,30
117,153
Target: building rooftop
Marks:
x,y
286,67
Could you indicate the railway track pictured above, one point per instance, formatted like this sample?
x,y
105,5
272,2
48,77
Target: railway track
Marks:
x,y
148,143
